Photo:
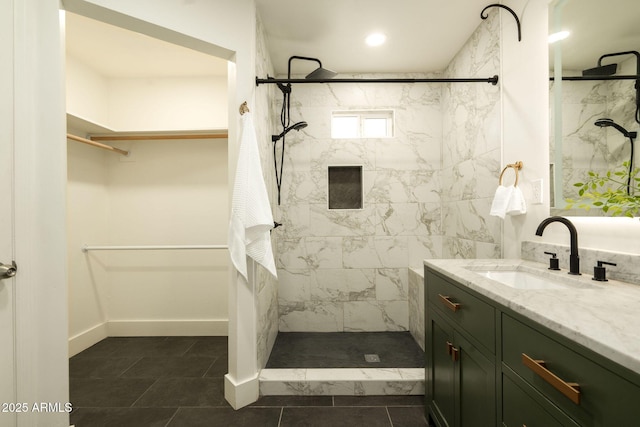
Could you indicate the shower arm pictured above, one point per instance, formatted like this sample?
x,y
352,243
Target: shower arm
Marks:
x,y
305,58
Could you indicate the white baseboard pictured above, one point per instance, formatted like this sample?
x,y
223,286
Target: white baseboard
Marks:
x,y
86,339
151,328
241,394
146,328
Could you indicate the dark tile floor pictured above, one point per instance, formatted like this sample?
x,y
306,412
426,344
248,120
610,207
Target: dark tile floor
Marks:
x,y
345,350
178,382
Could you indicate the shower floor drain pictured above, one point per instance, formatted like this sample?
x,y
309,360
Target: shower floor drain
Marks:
x,y
371,358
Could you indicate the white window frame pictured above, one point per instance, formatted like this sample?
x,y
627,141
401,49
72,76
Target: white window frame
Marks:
x,y
362,116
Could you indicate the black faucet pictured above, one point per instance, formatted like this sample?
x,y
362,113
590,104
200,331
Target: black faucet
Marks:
x,y
574,259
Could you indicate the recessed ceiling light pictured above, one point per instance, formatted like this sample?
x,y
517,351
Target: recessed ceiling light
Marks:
x,y
375,39
560,35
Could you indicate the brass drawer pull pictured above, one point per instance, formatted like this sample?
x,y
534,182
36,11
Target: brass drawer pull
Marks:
x,y
446,300
571,390
449,347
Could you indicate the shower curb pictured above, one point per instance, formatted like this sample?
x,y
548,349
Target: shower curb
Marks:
x,y
342,382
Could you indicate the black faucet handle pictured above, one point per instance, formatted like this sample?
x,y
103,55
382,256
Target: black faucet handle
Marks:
x,y
600,272
553,261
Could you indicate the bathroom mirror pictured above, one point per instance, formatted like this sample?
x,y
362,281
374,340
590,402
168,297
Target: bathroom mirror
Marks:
x,y
577,145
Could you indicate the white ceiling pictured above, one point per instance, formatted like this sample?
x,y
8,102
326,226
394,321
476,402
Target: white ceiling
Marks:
x,y
422,36
116,53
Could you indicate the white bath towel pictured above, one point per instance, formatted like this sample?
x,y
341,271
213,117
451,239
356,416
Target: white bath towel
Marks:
x,y
251,217
517,205
501,201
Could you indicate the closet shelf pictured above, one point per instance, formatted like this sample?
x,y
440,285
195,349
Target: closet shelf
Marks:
x,y
160,135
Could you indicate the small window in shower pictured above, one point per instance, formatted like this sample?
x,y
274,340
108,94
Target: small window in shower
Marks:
x,y
345,187
362,124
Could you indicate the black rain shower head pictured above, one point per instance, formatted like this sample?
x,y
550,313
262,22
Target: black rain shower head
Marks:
x,y
319,73
295,126
604,122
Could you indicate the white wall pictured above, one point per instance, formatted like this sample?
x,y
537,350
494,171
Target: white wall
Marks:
x,y
87,92
146,104
525,121
169,193
87,221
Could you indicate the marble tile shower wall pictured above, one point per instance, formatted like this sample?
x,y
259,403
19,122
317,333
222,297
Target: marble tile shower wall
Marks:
x,y
266,285
347,270
472,148
587,147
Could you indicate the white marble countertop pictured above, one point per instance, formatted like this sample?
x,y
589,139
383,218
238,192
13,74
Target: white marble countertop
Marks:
x,y
602,316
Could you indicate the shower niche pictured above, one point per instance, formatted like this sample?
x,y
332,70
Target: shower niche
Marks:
x,y
345,187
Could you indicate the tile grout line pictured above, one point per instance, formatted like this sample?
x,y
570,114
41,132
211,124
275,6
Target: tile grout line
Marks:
x,y
280,419
120,375
172,417
144,392
386,408
215,359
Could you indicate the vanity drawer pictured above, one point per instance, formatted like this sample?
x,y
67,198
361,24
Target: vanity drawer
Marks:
x,y
520,409
586,391
469,312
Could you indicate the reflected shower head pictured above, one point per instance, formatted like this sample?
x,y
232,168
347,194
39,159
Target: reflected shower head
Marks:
x,y
295,126
601,70
604,122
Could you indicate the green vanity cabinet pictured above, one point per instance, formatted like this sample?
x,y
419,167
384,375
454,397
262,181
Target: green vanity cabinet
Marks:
x,y
586,390
487,365
461,385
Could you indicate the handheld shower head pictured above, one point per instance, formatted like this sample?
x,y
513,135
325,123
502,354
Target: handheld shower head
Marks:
x,y
295,126
604,122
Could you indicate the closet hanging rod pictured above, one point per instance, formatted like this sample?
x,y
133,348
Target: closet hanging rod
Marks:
x,y
97,144
87,248
159,136
270,80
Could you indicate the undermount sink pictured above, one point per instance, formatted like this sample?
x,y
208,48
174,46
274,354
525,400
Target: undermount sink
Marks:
x,y
519,278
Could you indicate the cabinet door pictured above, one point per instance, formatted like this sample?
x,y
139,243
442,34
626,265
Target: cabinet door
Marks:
x,y
475,379
461,391
440,392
